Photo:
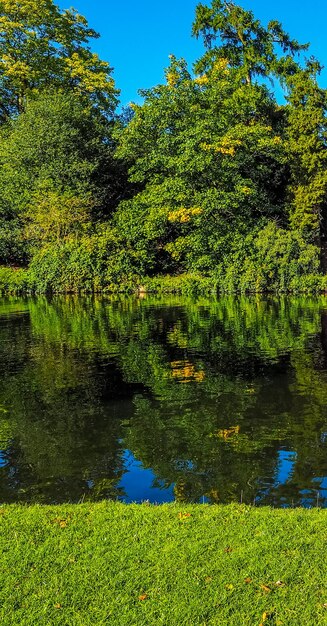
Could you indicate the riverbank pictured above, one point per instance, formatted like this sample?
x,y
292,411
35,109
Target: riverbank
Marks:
x,y
26,281
176,565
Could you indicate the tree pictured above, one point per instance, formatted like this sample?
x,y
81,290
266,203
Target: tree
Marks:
x,y
42,46
51,178
230,181
232,33
223,182
210,155
307,149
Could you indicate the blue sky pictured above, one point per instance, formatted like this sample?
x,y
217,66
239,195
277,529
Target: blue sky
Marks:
x,y
137,36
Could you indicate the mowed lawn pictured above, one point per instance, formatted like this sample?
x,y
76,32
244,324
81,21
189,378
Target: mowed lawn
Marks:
x,y
172,565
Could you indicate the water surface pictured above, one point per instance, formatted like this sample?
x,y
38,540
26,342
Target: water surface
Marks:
x,y
164,399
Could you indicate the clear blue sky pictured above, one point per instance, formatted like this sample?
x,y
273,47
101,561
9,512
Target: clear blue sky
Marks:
x,y
138,35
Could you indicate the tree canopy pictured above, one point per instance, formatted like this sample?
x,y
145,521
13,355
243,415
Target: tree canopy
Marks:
x,y
211,176
41,47
230,32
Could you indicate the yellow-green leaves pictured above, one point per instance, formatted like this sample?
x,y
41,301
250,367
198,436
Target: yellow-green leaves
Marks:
x,y
41,47
53,216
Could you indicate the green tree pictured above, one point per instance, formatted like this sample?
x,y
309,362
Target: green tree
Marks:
x,y
52,180
230,32
307,149
42,46
230,180
210,155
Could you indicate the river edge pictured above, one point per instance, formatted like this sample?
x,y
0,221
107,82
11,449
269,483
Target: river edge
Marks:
x,y
21,282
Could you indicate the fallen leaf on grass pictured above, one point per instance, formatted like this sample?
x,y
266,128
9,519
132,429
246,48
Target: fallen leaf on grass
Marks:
x,y
143,596
228,549
183,515
325,605
279,583
248,580
265,588
61,522
57,606
265,617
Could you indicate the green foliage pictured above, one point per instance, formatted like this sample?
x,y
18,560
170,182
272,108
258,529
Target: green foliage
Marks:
x,y
13,248
14,280
42,46
210,168
272,259
51,181
210,177
307,145
93,262
184,284
232,182
232,33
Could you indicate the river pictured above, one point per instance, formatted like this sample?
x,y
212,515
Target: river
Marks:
x,y
164,399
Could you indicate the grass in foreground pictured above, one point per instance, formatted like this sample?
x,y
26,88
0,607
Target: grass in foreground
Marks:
x,y
174,565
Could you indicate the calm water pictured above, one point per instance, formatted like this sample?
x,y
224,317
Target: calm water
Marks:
x,y
164,399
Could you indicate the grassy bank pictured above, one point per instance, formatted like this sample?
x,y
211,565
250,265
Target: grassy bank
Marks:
x,y
110,563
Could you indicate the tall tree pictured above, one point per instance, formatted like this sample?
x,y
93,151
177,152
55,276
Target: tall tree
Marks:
x,y
307,150
42,46
209,153
230,32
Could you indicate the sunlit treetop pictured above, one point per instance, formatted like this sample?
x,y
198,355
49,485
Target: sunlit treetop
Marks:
x,y
232,33
42,46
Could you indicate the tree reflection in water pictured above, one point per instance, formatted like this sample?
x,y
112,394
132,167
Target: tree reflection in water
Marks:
x,y
222,399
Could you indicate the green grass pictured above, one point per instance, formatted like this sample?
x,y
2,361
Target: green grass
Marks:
x,y
110,563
